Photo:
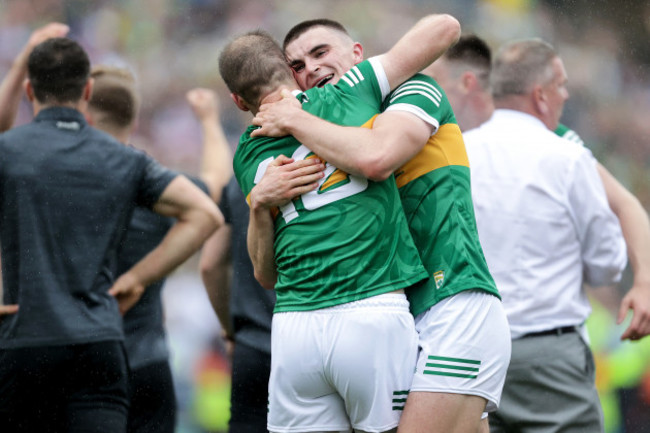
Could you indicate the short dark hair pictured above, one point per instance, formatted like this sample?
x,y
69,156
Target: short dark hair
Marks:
x,y
58,69
471,49
302,27
114,95
253,64
474,52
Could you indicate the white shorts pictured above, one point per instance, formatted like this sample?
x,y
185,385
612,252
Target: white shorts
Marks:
x,y
342,367
464,347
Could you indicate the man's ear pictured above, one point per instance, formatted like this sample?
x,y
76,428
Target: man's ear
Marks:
x,y
357,50
539,100
468,81
239,102
29,90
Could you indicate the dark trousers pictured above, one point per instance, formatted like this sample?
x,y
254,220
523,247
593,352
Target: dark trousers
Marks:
x,y
78,388
153,402
250,390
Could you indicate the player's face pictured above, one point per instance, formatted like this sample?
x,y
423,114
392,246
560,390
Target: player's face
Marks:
x,y
321,56
556,93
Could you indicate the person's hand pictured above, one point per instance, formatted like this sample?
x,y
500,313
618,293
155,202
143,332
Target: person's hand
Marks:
x,y
6,310
204,103
51,30
637,299
286,179
275,117
127,289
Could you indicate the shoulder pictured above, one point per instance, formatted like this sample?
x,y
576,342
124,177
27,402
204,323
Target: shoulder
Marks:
x,y
368,73
568,134
420,91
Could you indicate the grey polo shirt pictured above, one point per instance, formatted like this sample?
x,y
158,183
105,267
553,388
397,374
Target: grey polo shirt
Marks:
x,y
67,193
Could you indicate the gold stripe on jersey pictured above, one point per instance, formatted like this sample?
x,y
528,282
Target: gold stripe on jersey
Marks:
x,y
443,149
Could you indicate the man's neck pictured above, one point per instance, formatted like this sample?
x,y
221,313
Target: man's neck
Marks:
x,y
38,106
275,95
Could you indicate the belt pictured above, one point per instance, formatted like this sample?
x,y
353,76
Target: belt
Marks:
x,y
557,331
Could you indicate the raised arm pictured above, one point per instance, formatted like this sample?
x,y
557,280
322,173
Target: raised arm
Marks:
x,y
216,161
11,88
197,218
419,47
636,231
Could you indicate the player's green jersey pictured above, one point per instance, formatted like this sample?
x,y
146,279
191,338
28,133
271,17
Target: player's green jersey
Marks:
x,y
347,240
568,134
435,190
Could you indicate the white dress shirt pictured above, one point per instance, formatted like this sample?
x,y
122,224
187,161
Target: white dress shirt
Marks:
x,y
543,220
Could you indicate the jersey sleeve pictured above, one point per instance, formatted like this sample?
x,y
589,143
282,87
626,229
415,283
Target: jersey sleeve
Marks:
x,y
367,81
155,179
422,96
245,163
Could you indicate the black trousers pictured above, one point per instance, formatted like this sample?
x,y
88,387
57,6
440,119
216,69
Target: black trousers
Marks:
x,y
76,388
250,390
153,402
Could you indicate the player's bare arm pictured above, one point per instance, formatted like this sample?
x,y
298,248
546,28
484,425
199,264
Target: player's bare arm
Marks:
x,y
197,218
375,153
215,266
216,160
636,231
11,89
419,47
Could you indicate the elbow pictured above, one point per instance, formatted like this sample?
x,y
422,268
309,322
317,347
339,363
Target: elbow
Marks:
x,y
214,219
377,174
377,169
452,26
206,268
265,281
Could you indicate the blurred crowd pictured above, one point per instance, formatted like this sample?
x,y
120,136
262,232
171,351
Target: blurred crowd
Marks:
x,y
173,46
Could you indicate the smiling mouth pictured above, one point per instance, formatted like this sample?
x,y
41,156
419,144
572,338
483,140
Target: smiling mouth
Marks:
x,y
324,80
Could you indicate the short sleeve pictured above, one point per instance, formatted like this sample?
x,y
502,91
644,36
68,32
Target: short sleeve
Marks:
x,y
155,179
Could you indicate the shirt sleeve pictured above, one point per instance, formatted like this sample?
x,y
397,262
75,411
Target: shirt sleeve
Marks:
x,y
224,203
421,96
197,181
367,81
602,246
155,179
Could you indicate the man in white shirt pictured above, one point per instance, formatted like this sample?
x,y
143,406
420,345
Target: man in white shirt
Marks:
x,y
545,227
464,73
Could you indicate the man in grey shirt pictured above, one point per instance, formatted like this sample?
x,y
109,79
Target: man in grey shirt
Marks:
x,y
67,192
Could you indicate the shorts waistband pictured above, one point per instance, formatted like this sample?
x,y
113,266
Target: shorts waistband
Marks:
x,y
378,301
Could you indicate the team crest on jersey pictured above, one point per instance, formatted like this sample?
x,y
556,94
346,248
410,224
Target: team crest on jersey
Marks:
x,y
439,278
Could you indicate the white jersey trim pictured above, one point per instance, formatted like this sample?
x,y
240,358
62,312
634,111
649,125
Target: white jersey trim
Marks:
x,y
380,73
418,87
417,111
